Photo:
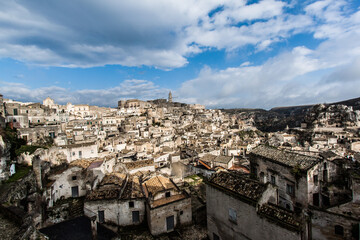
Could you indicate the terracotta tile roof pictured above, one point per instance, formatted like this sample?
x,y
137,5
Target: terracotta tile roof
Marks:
x,y
240,168
95,164
139,164
83,163
220,159
167,200
132,189
238,184
114,178
78,145
90,162
277,214
223,159
109,188
157,184
285,157
208,158
102,194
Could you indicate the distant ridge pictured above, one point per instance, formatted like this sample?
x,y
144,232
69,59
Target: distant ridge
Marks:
x,y
355,103
278,118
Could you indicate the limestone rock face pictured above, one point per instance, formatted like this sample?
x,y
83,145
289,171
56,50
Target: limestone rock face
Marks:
x,y
17,191
4,159
333,115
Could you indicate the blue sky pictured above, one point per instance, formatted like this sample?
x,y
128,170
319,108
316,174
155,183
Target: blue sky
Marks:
x,y
230,53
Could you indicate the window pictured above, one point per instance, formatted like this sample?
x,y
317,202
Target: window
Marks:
x,y
254,170
73,153
75,191
170,223
325,200
290,189
273,180
131,204
262,177
316,179
181,212
73,178
135,216
167,194
101,216
339,230
80,153
232,215
355,231
325,175
316,199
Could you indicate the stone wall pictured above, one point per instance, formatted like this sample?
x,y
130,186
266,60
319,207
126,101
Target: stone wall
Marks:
x,y
117,212
181,210
323,225
283,176
248,224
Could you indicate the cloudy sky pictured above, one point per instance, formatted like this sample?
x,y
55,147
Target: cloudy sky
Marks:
x,y
220,53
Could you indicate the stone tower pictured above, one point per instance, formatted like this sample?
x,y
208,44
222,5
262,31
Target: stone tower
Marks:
x,y
121,104
170,97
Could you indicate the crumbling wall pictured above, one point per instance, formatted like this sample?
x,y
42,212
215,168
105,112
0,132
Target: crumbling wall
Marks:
x,y
323,225
247,223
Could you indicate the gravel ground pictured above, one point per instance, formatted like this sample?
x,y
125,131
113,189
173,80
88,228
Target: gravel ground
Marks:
x,y
7,229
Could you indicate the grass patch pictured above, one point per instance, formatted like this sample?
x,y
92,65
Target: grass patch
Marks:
x,y
194,179
21,171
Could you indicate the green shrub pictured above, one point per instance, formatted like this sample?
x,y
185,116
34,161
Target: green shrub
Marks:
x,y
26,148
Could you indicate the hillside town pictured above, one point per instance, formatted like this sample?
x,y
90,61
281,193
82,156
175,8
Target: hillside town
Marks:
x,y
161,169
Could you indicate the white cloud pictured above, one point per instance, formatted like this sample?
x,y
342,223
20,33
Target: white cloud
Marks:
x,y
164,33
159,33
300,76
127,89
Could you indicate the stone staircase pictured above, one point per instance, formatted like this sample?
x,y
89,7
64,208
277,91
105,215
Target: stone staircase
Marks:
x,y
76,208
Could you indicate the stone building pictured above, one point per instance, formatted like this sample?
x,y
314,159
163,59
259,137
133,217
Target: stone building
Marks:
x,y
218,161
39,134
341,221
241,208
2,108
70,182
289,171
117,201
79,151
2,111
170,97
48,102
140,165
133,105
167,207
